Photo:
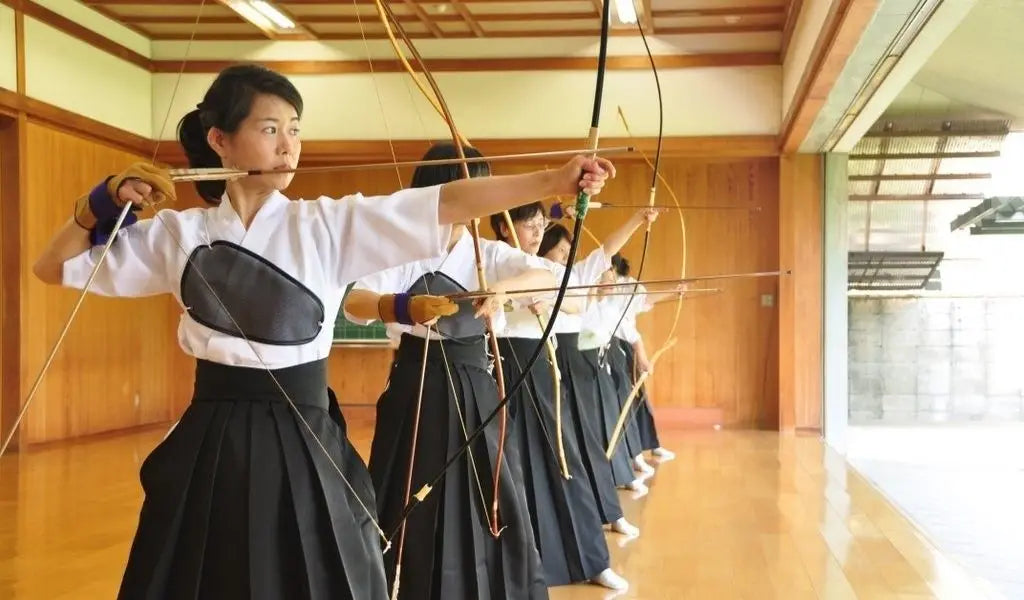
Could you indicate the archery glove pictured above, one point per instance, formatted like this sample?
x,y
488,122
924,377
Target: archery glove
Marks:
x,y
103,203
414,310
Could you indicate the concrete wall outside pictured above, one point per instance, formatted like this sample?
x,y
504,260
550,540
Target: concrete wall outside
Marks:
x,y
926,360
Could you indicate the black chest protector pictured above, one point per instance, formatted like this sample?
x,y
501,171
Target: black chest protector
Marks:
x,y
460,325
236,292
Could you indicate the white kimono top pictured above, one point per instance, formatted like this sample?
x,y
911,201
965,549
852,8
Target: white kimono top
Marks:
x,y
628,331
500,261
523,324
324,244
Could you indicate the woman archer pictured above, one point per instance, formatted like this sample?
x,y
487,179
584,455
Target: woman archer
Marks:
x,y
427,410
257,492
567,514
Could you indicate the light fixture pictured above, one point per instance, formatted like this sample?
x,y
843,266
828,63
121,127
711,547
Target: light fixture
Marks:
x,y
625,11
249,13
268,18
270,12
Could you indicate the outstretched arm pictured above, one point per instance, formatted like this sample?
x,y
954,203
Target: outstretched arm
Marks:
x,y
477,197
397,308
618,238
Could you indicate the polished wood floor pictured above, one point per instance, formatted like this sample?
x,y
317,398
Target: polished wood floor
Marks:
x,y
750,515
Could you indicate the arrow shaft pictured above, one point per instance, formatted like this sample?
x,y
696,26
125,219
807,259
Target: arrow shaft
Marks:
x,y
182,175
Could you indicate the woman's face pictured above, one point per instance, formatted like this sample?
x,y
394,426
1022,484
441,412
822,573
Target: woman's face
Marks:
x,y
531,232
268,139
606,278
560,252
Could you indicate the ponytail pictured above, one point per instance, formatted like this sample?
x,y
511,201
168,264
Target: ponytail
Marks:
x,y
192,136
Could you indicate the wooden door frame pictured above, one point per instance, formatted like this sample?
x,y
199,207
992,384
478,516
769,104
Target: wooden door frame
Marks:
x,y
12,190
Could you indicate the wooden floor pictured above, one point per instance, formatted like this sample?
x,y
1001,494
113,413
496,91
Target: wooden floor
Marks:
x,y
736,515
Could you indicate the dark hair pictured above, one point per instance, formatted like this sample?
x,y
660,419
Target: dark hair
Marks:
x,y
518,214
620,264
552,236
428,175
226,104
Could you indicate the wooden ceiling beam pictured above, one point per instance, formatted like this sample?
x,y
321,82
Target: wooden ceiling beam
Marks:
x,y
792,14
647,17
465,65
422,15
583,32
171,20
731,11
844,25
467,16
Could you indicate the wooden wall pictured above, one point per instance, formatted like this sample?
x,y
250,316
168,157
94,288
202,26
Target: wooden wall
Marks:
x,y
113,369
723,367
726,356
120,365
801,248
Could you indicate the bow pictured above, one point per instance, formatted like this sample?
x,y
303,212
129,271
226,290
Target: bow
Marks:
x,y
602,355
433,95
582,203
621,421
670,339
439,104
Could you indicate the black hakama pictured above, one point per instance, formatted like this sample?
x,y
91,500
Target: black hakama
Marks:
x,y
640,411
606,413
242,501
580,393
566,521
449,553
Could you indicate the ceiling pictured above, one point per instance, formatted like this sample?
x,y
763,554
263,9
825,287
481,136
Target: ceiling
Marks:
x,y
975,72
340,20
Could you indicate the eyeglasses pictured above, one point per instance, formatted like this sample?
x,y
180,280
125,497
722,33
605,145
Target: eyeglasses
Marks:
x,y
535,225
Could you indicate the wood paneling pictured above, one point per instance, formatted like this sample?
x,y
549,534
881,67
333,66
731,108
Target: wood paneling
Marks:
x,y
724,358
725,361
358,375
14,104
800,304
120,352
112,371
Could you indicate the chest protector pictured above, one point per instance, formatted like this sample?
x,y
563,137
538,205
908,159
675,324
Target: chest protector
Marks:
x,y
239,293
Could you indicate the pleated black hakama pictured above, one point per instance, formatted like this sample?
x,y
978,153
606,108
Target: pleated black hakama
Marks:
x,y
449,552
580,393
243,502
566,521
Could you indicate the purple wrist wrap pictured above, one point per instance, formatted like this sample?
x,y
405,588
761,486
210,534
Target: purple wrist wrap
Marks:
x,y
402,309
106,212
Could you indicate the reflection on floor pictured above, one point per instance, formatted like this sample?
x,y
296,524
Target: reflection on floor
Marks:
x,y
750,515
962,485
